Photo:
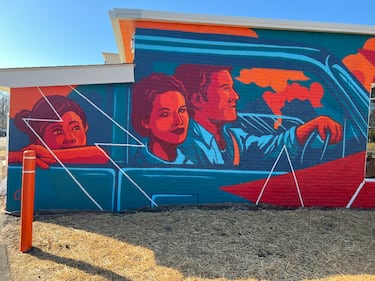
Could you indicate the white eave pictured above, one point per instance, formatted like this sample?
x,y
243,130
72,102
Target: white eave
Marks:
x,y
139,14
66,75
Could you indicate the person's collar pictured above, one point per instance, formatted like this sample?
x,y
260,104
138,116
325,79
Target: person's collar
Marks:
x,y
201,132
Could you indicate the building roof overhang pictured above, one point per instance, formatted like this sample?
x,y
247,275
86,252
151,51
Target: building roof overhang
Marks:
x,y
140,14
124,22
66,75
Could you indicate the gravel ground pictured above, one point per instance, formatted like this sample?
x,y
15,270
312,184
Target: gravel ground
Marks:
x,y
230,243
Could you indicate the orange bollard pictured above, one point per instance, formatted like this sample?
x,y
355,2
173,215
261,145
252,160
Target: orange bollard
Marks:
x,y
27,200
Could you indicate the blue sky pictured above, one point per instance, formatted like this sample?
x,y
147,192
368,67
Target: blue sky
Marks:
x,y
75,32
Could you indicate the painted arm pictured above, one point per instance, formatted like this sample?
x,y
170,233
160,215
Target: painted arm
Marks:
x,y
75,155
82,155
293,139
43,157
324,126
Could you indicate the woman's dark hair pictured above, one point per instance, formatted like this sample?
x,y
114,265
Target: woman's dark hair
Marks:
x,y
46,108
143,95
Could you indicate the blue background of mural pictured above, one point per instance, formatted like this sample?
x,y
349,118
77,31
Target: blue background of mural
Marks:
x,y
344,99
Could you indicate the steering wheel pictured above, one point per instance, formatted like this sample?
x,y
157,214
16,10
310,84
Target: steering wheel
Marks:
x,y
307,146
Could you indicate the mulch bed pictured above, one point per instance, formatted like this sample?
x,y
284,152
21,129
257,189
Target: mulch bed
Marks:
x,y
226,242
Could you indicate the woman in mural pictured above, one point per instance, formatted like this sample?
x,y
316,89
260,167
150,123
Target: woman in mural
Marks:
x,y
56,127
159,113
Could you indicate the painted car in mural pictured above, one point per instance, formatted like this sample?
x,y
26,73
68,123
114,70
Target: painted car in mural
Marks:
x,y
275,88
210,119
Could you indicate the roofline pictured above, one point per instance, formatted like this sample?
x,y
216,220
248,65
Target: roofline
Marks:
x,y
66,75
140,14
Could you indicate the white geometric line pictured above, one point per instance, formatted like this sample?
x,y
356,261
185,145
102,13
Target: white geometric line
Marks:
x,y
126,175
106,115
120,144
268,177
295,178
51,106
26,120
44,120
271,172
140,144
349,205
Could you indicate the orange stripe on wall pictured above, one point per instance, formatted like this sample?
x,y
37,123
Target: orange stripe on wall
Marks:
x,y
209,29
127,31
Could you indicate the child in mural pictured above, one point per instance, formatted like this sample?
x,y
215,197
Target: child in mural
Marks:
x,y
159,113
211,101
65,137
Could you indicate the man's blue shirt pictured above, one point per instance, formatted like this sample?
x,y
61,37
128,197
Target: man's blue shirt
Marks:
x,y
201,147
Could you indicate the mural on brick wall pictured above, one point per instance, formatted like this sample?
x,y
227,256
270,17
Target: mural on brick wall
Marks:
x,y
269,116
78,135
215,115
56,126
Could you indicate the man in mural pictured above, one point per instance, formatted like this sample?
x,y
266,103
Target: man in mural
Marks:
x,y
56,125
159,113
212,101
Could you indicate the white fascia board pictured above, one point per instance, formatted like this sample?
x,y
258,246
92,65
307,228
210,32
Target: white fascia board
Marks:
x,y
242,21
66,75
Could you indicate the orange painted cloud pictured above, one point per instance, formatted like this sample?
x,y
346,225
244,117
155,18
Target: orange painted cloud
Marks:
x,y
276,101
277,79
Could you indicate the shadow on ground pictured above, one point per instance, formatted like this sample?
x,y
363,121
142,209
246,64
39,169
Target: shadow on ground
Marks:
x,y
237,243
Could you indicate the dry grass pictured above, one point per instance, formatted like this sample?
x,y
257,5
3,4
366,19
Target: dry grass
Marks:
x,y
197,244
371,146
3,155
